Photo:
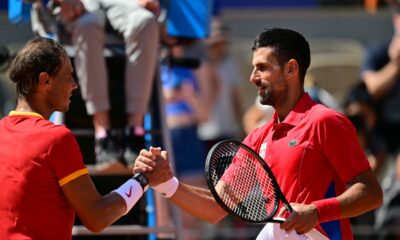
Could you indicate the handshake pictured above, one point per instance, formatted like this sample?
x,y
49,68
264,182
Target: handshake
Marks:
x,y
152,169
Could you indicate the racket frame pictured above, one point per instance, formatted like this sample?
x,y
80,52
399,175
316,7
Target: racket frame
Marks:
x,y
278,192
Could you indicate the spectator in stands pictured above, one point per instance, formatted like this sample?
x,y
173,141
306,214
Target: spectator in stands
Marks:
x,y
380,72
7,98
85,23
184,112
41,168
359,108
256,115
224,119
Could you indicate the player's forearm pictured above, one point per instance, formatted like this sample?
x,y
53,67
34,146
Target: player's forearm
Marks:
x,y
103,213
95,211
199,203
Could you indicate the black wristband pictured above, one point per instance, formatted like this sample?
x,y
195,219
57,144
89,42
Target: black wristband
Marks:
x,y
141,179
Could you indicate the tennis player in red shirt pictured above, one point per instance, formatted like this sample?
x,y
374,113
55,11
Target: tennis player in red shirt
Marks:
x,y
43,178
312,150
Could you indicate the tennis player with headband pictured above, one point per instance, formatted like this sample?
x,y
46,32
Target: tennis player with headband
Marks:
x,y
311,149
44,180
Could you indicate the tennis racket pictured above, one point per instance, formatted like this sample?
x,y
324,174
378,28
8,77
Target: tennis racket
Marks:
x,y
242,183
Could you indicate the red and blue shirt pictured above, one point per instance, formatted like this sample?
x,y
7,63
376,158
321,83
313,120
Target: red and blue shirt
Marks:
x,y
313,154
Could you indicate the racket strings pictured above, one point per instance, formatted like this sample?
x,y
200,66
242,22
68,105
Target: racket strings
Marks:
x,y
249,192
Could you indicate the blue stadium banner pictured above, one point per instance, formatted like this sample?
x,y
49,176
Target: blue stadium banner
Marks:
x,y
189,18
18,11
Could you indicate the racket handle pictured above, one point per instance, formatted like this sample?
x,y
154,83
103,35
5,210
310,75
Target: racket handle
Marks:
x,y
288,207
277,220
285,202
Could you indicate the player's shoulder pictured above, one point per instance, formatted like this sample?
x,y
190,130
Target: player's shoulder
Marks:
x,y
320,113
56,130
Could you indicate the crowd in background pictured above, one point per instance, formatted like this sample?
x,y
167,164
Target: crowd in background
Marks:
x,y
203,101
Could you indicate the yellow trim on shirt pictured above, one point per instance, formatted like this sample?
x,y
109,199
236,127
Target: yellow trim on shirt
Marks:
x,y
73,176
32,114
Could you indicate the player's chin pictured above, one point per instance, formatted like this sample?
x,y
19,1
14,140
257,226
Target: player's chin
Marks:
x,y
63,108
265,99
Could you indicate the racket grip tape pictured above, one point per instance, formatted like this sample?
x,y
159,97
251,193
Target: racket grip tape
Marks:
x,y
328,209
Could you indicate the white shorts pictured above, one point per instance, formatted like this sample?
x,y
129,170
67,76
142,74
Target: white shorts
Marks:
x,y
272,231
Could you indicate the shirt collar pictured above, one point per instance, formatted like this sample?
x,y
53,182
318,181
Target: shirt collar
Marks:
x,y
297,113
27,114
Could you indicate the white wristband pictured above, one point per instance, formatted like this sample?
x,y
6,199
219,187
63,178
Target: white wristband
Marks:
x,y
167,188
130,191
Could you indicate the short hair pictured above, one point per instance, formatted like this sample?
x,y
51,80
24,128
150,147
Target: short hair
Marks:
x,y
286,44
37,55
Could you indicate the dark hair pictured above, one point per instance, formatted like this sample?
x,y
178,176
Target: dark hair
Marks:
x,y
286,44
37,55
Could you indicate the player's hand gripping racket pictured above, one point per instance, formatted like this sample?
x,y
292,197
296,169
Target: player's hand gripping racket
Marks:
x,y
242,183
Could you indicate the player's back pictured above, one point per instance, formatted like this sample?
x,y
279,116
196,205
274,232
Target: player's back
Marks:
x,y
32,204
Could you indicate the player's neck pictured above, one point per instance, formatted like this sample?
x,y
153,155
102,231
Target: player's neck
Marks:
x,y
26,106
288,105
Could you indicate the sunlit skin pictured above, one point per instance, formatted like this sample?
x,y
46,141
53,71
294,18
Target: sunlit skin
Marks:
x,y
63,84
272,81
53,92
267,76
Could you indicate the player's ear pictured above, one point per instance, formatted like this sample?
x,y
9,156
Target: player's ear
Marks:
x,y
44,78
292,68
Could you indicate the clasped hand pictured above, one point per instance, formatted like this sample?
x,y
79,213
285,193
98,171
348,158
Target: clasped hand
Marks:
x,y
154,164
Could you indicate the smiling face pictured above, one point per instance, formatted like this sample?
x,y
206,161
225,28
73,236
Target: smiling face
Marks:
x,y
61,86
268,76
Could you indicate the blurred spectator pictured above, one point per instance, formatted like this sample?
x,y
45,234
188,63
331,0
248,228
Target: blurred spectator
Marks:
x,y
224,119
380,72
256,115
184,110
319,94
359,108
4,55
7,94
83,24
